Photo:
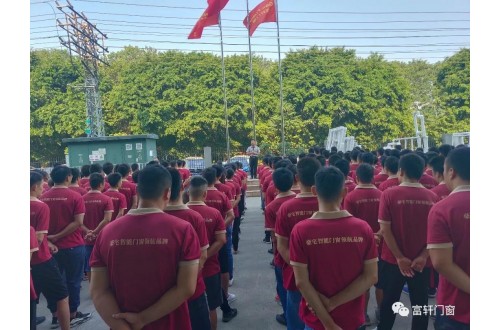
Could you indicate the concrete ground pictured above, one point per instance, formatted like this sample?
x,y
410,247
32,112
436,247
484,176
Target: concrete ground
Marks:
x,y
254,285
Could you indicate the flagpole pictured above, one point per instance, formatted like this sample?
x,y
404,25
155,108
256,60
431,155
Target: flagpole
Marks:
x,y
251,76
281,83
224,91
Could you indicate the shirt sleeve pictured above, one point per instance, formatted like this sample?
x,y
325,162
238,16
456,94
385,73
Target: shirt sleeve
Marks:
x,y
133,190
190,250
42,223
267,222
123,202
201,231
350,206
33,240
79,206
220,226
281,227
298,256
96,260
109,205
384,214
438,232
371,253
227,204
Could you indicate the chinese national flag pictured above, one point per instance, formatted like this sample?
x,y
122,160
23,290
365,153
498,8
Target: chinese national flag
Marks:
x,y
209,17
264,12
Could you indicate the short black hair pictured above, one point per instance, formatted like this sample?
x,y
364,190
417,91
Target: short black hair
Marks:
x,y
404,152
275,160
306,169
134,167
419,149
423,156
123,169
302,155
398,147
333,149
165,164
229,173
392,164
95,168
152,162
75,172
413,165
325,153
293,159
311,155
153,181
282,163
430,155
380,151
395,153
347,156
95,180
364,173
197,186
35,178
107,168
445,149
85,170
135,176
219,170
175,190
311,150
59,174
210,174
114,179
333,158
367,157
459,160
329,183
283,179
354,155
321,160
437,164
343,166
434,149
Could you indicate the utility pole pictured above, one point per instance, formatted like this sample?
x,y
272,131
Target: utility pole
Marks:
x,y
86,40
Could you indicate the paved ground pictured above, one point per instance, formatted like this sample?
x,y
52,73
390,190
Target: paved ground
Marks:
x,y
254,285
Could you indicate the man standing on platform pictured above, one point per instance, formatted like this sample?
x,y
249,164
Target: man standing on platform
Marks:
x,y
253,151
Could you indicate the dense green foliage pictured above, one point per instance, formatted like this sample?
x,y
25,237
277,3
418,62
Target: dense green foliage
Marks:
x,y
179,97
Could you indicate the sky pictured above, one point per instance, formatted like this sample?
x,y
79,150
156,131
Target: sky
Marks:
x,y
400,30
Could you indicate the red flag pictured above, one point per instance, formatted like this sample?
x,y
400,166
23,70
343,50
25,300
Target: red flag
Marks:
x,y
209,17
264,12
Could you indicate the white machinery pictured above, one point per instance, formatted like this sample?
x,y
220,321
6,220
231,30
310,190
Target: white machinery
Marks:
x,y
337,138
455,139
420,140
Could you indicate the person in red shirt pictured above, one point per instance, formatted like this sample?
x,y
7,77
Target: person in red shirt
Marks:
x,y
437,166
427,180
283,179
355,160
216,233
244,177
85,173
98,212
118,199
164,251
33,296
289,214
107,168
219,200
343,166
403,215
391,168
96,168
448,242
75,182
335,238
67,210
382,176
197,303
230,181
127,188
363,203
46,276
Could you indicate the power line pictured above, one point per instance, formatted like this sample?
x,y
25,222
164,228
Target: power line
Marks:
x,y
282,11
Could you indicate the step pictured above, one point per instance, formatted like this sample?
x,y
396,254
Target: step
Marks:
x,y
253,193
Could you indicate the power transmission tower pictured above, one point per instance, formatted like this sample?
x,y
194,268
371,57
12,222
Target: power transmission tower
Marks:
x,y
86,40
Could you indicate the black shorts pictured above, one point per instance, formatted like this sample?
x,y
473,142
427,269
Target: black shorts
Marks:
x,y
224,259
48,280
380,266
213,289
198,313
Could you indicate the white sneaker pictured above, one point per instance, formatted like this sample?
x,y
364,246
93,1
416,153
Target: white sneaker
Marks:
x,y
231,282
231,297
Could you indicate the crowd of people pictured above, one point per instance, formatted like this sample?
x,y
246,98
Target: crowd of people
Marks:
x,y
157,243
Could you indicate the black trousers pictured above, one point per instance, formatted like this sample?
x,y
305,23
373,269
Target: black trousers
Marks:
x,y
253,167
394,281
241,204
236,233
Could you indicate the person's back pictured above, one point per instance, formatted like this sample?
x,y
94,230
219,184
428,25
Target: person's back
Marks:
x,y
391,168
119,200
163,250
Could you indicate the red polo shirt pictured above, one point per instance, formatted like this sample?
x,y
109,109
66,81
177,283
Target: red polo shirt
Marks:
x,y
449,227
406,208
33,249
214,224
96,205
39,220
84,182
428,181
128,189
267,181
225,189
78,189
391,181
64,205
441,190
350,185
119,201
271,193
378,179
218,200
270,219
196,220
363,203
289,214
142,254
334,246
